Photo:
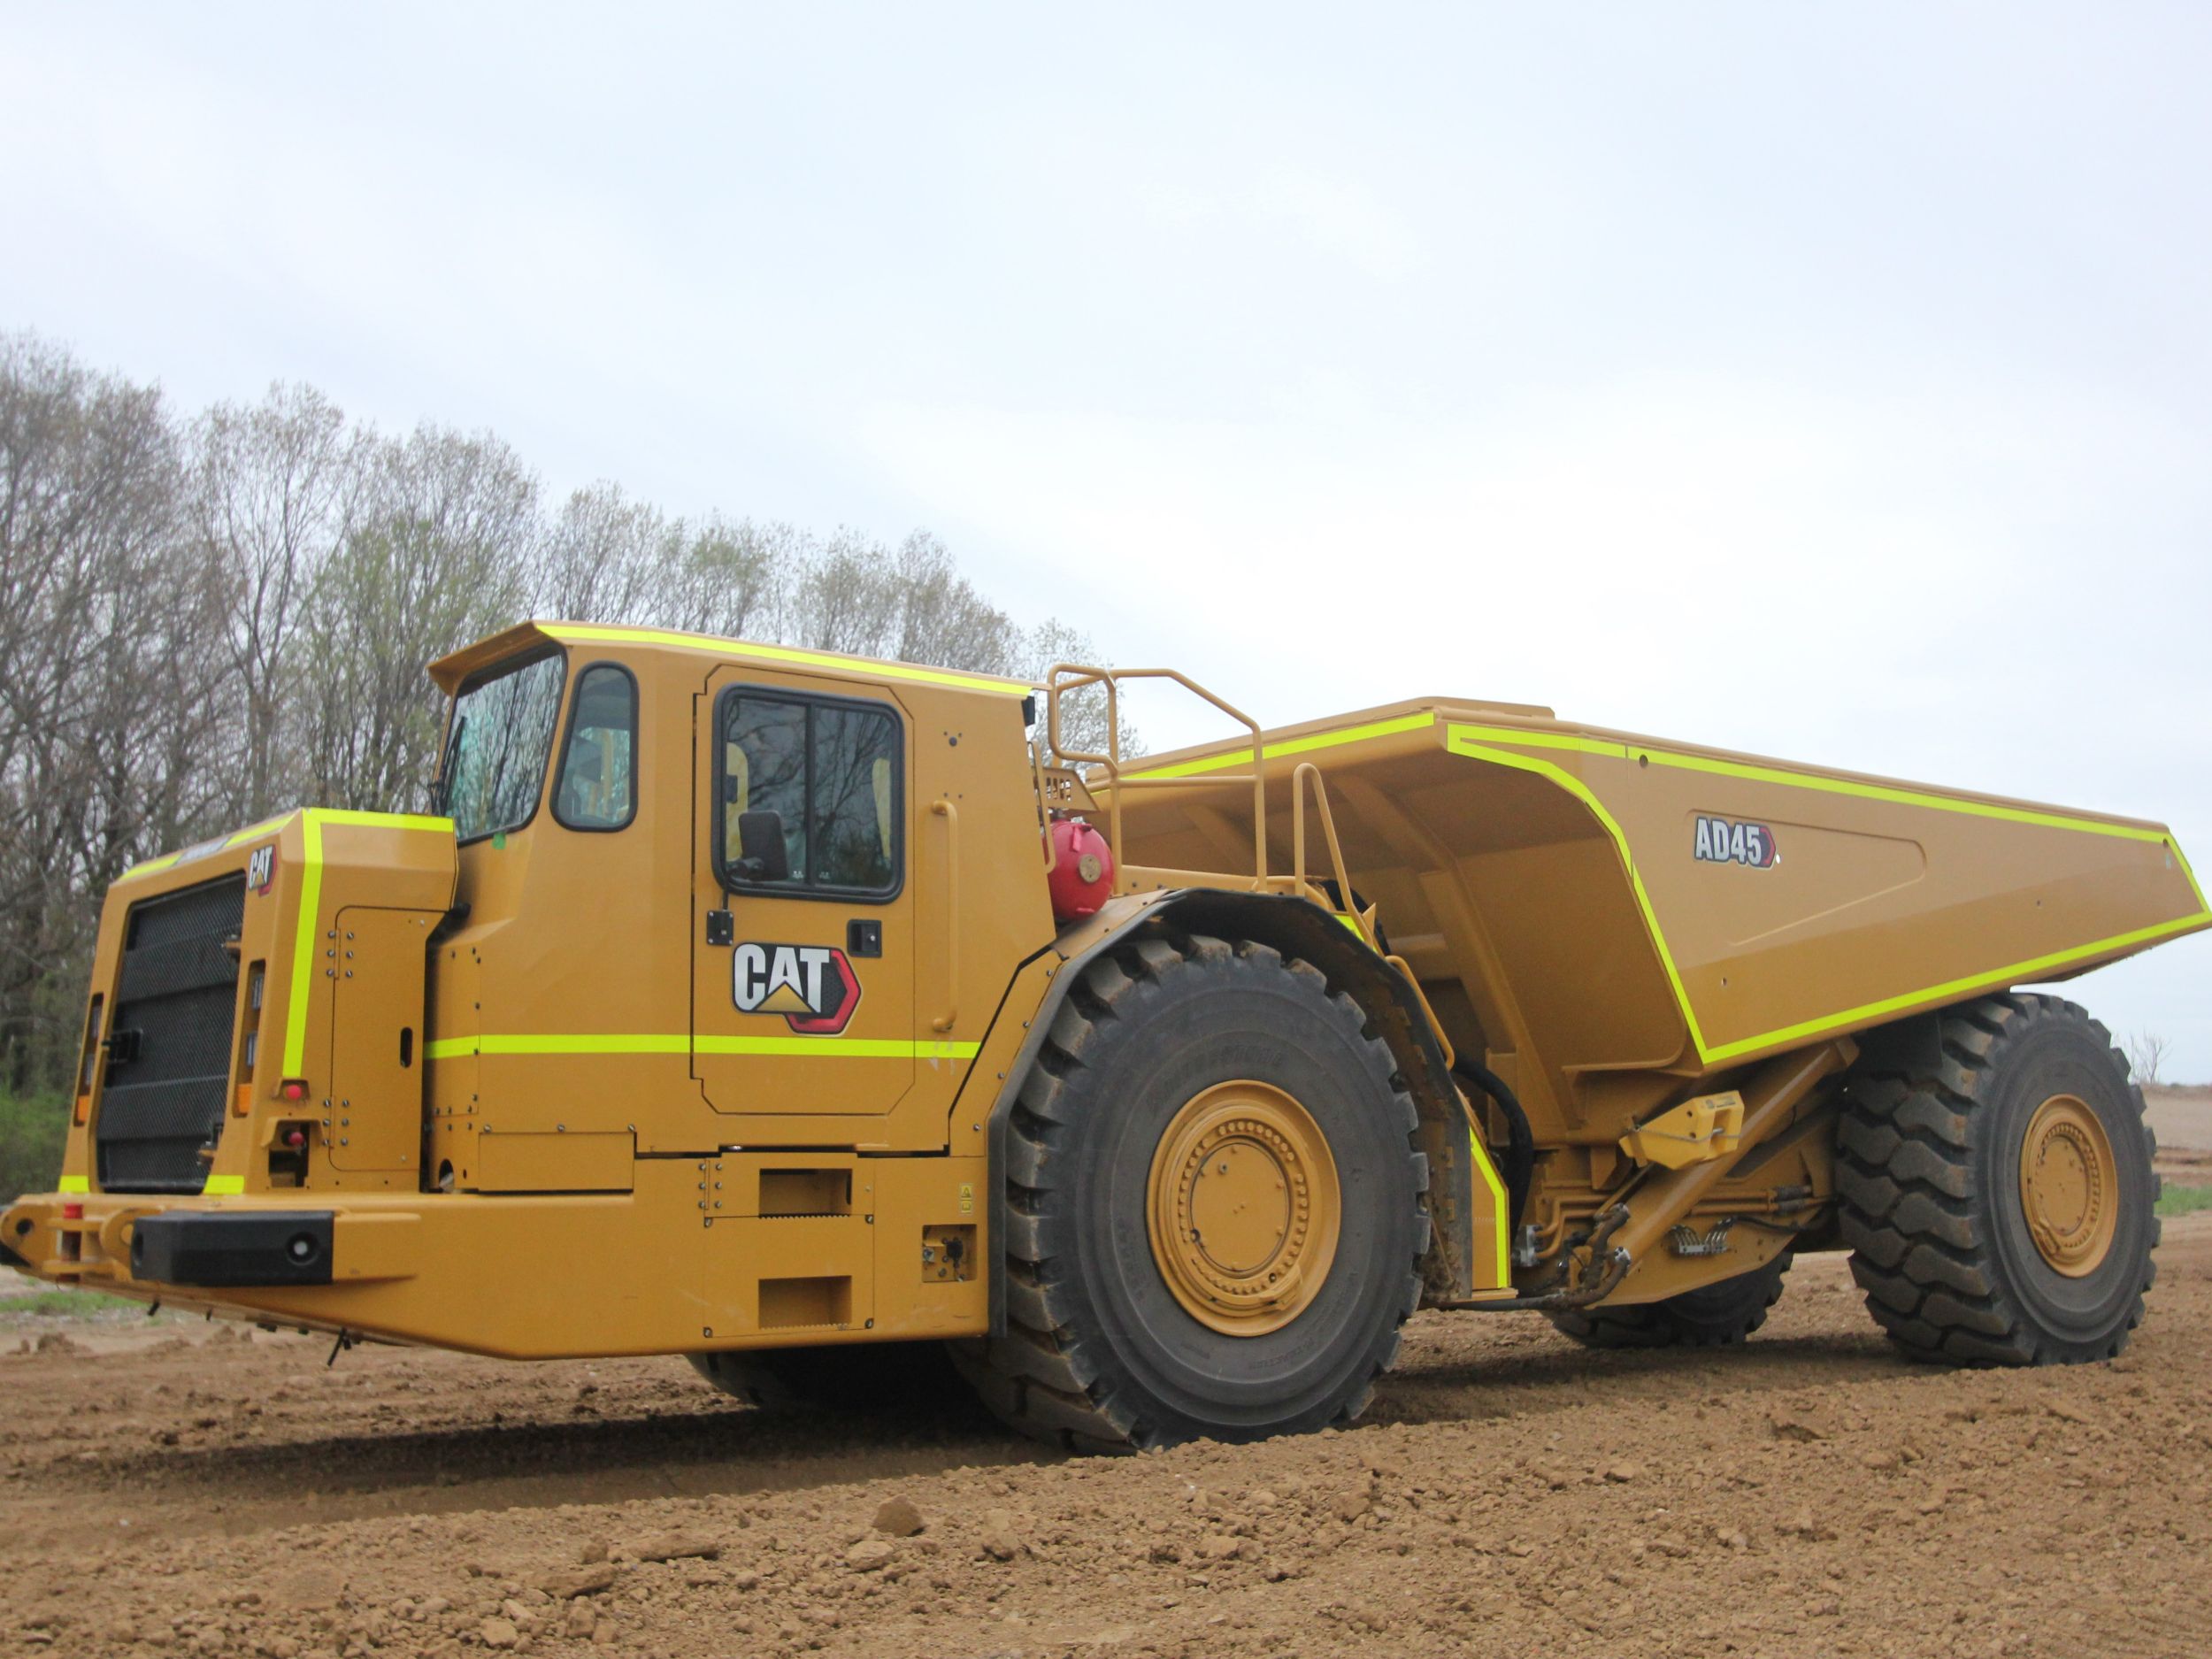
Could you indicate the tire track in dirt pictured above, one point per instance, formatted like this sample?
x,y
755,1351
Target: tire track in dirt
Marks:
x,y
1509,1493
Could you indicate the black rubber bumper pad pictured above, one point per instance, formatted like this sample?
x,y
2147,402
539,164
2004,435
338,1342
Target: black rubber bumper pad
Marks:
x,y
291,1248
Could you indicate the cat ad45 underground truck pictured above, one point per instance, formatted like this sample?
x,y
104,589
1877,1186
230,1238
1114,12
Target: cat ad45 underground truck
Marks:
x,y
818,1018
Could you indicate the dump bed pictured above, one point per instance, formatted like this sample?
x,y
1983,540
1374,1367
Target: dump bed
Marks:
x,y
1607,914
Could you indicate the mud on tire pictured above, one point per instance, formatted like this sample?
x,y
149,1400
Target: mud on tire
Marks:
x,y
1712,1315
1098,1351
1929,1177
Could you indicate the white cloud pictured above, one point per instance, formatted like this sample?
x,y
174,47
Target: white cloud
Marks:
x,y
1817,385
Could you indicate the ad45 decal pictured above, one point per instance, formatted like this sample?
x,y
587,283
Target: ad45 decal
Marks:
x,y
1725,842
813,987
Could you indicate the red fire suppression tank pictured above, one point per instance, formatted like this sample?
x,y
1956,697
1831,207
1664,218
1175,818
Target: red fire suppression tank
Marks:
x,y
1082,876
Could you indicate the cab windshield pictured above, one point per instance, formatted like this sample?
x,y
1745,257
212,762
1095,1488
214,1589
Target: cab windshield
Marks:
x,y
497,746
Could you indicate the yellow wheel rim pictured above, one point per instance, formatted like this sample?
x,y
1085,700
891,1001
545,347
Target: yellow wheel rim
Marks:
x,y
2070,1186
1244,1209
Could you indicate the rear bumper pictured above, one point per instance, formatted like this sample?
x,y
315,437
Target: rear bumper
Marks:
x,y
218,1251
144,1245
540,1275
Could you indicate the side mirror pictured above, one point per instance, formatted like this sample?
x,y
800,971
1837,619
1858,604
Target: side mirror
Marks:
x,y
763,855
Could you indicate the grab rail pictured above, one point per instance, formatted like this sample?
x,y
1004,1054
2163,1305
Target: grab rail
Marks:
x,y
1063,677
950,813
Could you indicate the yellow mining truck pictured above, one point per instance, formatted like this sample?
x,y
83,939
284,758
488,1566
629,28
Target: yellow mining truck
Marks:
x,y
811,1016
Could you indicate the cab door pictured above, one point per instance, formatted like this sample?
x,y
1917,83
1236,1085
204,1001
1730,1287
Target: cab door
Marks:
x,y
802,987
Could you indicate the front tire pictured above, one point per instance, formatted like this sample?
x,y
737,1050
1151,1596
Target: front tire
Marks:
x,y
1214,1207
1999,1204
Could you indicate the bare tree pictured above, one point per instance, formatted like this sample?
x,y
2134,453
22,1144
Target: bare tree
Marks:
x,y
93,615
1082,713
438,557
2146,1058
203,623
724,577
271,499
607,558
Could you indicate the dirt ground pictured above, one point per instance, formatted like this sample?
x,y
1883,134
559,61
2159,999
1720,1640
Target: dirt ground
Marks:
x,y
190,1488
2180,1117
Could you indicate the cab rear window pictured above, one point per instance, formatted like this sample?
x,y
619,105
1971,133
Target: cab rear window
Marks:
x,y
499,743
597,788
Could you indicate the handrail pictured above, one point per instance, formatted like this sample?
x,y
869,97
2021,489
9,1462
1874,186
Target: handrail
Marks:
x,y
950,813
1308,772
1063,677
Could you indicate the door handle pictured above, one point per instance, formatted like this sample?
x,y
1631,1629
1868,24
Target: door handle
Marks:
x,y
950,813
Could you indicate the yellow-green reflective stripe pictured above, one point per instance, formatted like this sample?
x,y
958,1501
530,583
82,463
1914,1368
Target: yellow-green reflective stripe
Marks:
x,y
232,839
1460,744
1544,740
1292,746
74,1184
303,946
381,820
787,656
1808,780
845,1048
311,823
2012,974
677,1042
238,838
1459,741
1500,1203
2189,875
1902,797
225,1186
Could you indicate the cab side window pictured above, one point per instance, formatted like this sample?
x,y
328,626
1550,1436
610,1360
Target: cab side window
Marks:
x,y
597,788
830,771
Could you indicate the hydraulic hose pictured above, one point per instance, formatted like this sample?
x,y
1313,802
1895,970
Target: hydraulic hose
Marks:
x,y
1520,1143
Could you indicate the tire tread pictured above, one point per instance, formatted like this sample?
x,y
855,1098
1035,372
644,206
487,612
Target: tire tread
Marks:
x,y
1909,1209
1043,1378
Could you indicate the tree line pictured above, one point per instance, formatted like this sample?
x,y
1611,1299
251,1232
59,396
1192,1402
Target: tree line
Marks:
x,y
207,619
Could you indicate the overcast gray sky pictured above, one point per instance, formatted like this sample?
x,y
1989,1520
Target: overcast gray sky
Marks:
x,y
1830,382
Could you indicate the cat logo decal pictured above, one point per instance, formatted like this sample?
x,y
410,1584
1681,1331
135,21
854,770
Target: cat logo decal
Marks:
x,y
813,987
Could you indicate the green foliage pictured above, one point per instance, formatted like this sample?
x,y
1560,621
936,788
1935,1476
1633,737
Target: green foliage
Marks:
x,y
2184,1201
33,1130
69,1304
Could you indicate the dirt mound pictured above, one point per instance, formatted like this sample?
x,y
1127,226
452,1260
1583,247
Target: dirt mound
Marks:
x,y
1510,1493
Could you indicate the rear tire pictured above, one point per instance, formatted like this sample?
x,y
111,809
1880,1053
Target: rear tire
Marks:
x,y
2030,1107
1712,1315
1111,1341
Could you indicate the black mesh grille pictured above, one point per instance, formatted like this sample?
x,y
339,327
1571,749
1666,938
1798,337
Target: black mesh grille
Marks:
x,y
168,1071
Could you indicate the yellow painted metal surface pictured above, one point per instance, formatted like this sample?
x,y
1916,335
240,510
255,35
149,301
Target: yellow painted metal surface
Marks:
x,y
553,1114
1698,1131
1550,887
